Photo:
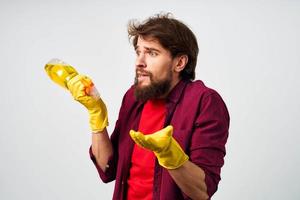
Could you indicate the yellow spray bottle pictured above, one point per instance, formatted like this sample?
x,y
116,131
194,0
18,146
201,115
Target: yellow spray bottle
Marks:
x,y
60,72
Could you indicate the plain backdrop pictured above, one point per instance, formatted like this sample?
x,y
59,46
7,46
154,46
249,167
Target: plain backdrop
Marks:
x,y
249,53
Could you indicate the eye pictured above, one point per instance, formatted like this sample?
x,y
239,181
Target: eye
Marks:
x,y
153,53
137,52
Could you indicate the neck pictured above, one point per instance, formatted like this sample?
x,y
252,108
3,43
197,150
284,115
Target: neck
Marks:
x,y
173,84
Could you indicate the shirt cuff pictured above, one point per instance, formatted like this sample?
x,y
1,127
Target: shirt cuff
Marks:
x,y
108,175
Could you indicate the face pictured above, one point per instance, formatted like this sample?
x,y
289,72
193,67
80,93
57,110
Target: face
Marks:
x,y
155,74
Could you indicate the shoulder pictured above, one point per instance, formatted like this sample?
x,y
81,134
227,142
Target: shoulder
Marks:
x,y
196,92
197,89
129,101
209,98
129,95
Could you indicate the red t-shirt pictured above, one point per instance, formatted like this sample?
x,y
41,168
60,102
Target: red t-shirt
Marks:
x,y
140,181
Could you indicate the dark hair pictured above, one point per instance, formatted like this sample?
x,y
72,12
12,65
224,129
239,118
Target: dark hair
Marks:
x,y
172,35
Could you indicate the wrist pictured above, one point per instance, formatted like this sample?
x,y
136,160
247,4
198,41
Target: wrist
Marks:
x,y
173,157
98,121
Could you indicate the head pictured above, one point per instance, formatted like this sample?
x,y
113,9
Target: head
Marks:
x,y
166,52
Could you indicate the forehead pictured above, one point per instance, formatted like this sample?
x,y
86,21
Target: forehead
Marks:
x,y
149,42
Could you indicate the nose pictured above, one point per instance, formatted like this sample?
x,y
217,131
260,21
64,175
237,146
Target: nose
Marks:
x,y
140,61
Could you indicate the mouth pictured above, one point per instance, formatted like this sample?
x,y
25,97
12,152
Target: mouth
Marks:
x,y
142,75
142,78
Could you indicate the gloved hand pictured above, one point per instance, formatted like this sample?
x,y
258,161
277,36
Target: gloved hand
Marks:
x,y
168,152
84,91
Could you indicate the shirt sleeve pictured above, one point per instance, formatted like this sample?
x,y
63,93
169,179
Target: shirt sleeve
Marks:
x,y
108,175
112,164
207,149
111,167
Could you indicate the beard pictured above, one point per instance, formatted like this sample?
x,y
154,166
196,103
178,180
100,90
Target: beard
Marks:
x,y
156,88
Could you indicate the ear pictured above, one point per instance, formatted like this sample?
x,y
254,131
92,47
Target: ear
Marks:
x,y
180,63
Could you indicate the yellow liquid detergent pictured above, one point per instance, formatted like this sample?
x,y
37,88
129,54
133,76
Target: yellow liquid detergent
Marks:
x,y
60,72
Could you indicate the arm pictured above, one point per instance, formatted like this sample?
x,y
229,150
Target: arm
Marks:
x,y
102,148
197,175
189,177
191,180
101,144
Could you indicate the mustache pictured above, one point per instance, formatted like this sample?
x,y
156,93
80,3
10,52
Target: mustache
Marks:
x,y
141,71
144,72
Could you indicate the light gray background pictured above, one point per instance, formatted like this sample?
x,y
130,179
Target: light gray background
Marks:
x,y
249,52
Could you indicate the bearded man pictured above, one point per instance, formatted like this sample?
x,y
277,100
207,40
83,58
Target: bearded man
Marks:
x,y
169,139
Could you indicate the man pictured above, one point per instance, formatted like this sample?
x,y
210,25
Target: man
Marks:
x,y
169,139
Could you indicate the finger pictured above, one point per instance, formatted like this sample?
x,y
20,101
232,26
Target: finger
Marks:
x,y
138,138
132,134
151,143
141,139
74,80
165,132
168,130
80,85
87,81
78,90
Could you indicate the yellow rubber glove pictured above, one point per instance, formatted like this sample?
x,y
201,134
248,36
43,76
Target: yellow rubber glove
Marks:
x,y
84,91
168,152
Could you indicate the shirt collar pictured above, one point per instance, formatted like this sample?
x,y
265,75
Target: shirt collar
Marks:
x,y
176,92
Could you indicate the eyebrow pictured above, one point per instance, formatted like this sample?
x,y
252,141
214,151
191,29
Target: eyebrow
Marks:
x,y
148,49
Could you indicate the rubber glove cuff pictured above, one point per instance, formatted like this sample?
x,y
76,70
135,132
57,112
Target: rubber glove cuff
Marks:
x,y
98,118
84,91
